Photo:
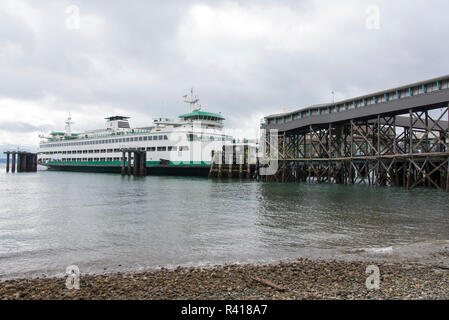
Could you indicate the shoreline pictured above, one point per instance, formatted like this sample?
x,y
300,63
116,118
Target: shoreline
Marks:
x,y
302,279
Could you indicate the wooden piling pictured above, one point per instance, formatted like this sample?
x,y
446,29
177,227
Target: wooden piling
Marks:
x,y
447,173
129,163
25,163
35,163
28,163
143,169
19,162
136,163
123,163
13,162
7,162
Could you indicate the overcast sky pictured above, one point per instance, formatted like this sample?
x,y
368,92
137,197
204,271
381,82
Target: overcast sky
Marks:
x,y
246,59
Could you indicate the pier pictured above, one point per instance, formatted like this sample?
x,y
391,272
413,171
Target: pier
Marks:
x,y
396,137
21,161
135,163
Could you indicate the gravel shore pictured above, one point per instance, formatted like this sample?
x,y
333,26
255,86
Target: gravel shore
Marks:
x,y
302,279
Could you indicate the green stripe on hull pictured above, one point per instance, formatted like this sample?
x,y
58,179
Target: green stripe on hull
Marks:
x,y
112,167
119,163
190,163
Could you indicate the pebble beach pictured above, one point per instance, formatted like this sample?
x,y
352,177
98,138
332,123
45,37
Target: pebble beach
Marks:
x,y
298,280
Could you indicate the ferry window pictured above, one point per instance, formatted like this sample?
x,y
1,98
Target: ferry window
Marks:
x,y
165,138
161,137
154,137
145,138
150,138
127,139
172,148
161,148
140,138
184,148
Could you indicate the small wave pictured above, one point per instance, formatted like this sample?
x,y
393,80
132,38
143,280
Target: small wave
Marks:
x,y
420,247
385,250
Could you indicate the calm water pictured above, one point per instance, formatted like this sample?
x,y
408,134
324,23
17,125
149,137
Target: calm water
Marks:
x,y
49,220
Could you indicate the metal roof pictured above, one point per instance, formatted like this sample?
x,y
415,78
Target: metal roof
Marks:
x,y
436,99
367,96
202,113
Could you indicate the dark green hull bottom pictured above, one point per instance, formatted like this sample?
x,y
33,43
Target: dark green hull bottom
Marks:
x,y
172,170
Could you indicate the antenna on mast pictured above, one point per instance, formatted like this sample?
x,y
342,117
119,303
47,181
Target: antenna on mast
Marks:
x,y
193,101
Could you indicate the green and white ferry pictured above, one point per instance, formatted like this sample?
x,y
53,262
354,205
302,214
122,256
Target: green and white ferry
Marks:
x,y
184,146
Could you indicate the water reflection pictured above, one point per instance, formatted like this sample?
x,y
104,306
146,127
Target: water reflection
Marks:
x,y
49,220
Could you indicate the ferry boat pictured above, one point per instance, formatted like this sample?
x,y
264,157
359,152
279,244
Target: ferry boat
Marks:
x,y
184,146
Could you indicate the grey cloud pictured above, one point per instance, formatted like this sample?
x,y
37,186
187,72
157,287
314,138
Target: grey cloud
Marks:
x,y
142,34
18,127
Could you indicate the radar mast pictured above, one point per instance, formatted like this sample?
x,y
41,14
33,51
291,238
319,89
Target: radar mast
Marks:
x,y
68,126
193,101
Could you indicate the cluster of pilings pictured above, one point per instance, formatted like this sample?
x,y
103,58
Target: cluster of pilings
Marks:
x,y
21,161
233,161
389,150
135,163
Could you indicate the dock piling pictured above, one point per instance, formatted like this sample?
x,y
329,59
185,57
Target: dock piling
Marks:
x,y
13,163
123,162
7,162
26,161
231,162
138,167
